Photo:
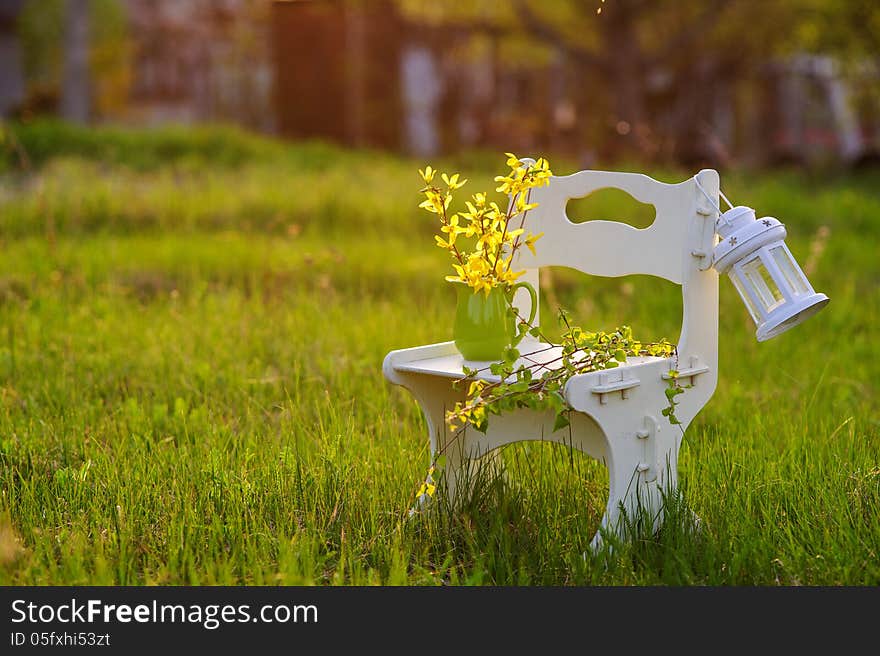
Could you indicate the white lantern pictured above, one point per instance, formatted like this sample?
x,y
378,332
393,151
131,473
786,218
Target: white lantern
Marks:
x,y
773,287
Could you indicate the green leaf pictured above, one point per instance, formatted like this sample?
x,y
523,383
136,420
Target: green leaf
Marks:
x,y
557,402
561,421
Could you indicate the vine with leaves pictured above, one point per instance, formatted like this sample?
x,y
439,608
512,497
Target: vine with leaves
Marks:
x,y
521,380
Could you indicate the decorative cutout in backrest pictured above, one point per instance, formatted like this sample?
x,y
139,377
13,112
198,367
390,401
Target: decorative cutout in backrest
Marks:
x,y
611,204
650,305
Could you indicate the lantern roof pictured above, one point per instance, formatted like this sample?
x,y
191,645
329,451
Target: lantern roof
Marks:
x,y
742,233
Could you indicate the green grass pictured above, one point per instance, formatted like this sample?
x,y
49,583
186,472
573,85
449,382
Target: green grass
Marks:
x,y
191,335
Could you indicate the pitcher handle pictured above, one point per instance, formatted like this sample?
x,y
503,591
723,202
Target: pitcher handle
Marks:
x,y
533,295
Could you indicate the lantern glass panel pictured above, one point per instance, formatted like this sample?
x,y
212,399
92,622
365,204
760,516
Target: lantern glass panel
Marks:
x,y
762,282
790,271
745,296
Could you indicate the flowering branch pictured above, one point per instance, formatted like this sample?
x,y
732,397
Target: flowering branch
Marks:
x,y
495,241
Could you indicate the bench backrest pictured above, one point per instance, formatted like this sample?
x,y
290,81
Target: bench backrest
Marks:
x,y
677,246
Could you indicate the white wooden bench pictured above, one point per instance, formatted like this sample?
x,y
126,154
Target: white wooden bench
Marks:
x,y
617,414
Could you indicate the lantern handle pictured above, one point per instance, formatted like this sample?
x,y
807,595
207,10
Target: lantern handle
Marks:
x,y
712,200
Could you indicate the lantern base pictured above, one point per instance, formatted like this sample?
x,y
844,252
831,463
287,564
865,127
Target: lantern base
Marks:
x,y
791,314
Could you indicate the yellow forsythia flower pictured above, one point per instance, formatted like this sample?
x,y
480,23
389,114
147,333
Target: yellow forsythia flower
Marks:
x,y
488,264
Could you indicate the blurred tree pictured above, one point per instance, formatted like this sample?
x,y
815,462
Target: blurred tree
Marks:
x,y
110,57
849,30
42,27
664,76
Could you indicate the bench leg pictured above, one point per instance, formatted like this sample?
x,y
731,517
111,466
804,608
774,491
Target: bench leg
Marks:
x,y
436,397
467,461
642,469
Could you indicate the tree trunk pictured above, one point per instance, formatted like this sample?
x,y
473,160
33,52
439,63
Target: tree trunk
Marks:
x,y
624,72
75,94
11,71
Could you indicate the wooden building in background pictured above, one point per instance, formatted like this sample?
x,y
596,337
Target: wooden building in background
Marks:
x,y
336,69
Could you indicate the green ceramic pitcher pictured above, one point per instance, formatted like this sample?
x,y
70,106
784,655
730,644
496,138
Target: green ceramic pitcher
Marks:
x,y
483,328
